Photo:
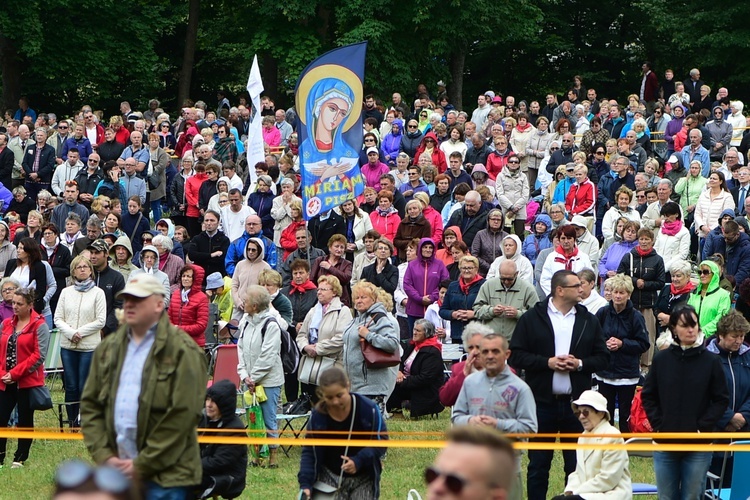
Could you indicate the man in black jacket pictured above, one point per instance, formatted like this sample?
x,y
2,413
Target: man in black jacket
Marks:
x,y
209,248
471,218
323,226
108,280
559,344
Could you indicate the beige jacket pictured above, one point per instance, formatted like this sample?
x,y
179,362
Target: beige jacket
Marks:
x,y
601,474
330,335
83,313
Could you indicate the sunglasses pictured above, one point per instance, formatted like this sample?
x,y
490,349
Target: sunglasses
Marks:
x,y
705,272
411,126
583,412
454,483
599,153
554,149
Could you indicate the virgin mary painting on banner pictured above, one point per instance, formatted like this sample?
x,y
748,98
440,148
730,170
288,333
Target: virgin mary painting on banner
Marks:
x,y
329,103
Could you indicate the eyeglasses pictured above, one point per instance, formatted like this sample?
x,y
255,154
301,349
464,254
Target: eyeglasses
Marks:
x,y
62,128
583,412
512,278
221,202
325,289
369,140
80,268
566,140
496,219
555,212
599,153
463,269
514,161
105,206
147,240
8,290
705,272
252,250
94,162
411,126
577,285
454,483
553,149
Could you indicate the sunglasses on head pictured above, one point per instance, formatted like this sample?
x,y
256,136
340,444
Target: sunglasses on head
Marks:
x,y
454,483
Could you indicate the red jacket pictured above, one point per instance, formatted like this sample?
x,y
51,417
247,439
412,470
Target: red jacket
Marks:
x,y
289,238
122,136
438,157
29,369
100,134
192,188
191,316
581,200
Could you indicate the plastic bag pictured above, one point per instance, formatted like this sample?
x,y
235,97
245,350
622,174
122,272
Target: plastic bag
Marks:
x,y
256,427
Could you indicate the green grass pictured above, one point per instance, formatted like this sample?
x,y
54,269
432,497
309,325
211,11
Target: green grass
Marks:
x,y
403,467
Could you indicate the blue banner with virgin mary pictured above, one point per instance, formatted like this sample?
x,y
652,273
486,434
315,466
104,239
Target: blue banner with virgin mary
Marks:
x,y
329,109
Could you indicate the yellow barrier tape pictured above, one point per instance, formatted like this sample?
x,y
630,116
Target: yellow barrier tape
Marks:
x,y
423,443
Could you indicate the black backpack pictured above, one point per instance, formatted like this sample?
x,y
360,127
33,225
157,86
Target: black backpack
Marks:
x,y
289,350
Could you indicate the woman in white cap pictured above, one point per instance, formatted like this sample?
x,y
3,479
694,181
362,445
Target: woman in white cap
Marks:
x,y
600,473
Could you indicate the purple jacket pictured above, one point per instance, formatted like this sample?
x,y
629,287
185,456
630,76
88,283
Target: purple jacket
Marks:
x,y
614,254
423,277
673,127
392,143
6,311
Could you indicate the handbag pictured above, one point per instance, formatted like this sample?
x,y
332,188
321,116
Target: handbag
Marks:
x,y
40,398
321,490
153,177
311,368
378,358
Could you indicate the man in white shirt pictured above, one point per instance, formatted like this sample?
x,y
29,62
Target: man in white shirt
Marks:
x,y
479,116
233,217
66,171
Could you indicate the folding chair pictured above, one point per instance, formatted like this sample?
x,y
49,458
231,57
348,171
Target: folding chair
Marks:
x,y
642,488
740,487
53,361
225,365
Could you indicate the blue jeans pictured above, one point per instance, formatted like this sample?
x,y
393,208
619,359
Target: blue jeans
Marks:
x,y
552,418
77,365
268,408
156,492
681,475
156,209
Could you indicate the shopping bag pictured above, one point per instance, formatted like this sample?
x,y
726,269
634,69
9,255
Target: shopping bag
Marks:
x,y
256,427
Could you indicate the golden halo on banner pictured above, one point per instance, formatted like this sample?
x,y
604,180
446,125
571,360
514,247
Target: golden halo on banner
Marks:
x,y
330,71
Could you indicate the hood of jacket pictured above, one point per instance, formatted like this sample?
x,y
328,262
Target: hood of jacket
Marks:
x,y
544,219
259,241
715,277
124,241
684,110
455,229
478,167
400,123
729,212
738,107
713,114
225,180
198,274
713,346
146,248
561,169
170,226
430,135
422,243
224,394
518,246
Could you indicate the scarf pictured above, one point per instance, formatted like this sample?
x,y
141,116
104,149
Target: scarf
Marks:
x,y
432,341
523,129
465,286
386,213
307,285
671,228
162,261
71,239
566,259
184,295
642,252
688,288
315,321
84,286
50,249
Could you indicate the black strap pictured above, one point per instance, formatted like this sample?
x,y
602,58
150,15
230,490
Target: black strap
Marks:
x,y
138,223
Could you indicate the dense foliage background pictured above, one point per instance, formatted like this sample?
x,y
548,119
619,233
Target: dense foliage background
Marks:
x,y
62,53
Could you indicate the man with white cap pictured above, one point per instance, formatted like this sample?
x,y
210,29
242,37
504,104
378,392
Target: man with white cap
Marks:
x,y
141,407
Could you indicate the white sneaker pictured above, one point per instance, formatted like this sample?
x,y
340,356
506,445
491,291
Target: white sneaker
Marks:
x,y
17,465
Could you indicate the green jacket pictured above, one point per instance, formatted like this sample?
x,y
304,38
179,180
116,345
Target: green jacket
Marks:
x,y
171,401
520,295
714,306
690,188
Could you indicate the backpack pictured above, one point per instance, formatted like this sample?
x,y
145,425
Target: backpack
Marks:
x,y
638,420
289,350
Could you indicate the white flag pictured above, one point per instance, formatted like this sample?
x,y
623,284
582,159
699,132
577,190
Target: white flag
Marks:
x,y
255,152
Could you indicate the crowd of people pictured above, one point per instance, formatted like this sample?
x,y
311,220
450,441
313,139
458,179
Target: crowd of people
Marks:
x,y
561,246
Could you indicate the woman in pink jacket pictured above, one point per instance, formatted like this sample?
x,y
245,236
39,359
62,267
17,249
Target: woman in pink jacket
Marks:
x,y
422,280
385,218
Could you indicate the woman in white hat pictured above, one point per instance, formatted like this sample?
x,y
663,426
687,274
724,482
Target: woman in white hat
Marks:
x,y
600,473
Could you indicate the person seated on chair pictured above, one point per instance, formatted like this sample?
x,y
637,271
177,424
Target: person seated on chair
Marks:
x,y
224,465
420,375
600,473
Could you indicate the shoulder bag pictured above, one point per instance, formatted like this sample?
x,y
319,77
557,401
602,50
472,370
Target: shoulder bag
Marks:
x,y
378,358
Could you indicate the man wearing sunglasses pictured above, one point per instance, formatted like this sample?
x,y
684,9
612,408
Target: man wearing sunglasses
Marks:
x,y
564,155
478,462
559,344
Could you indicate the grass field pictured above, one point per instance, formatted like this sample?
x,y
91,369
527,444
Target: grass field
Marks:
x,y
403,467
